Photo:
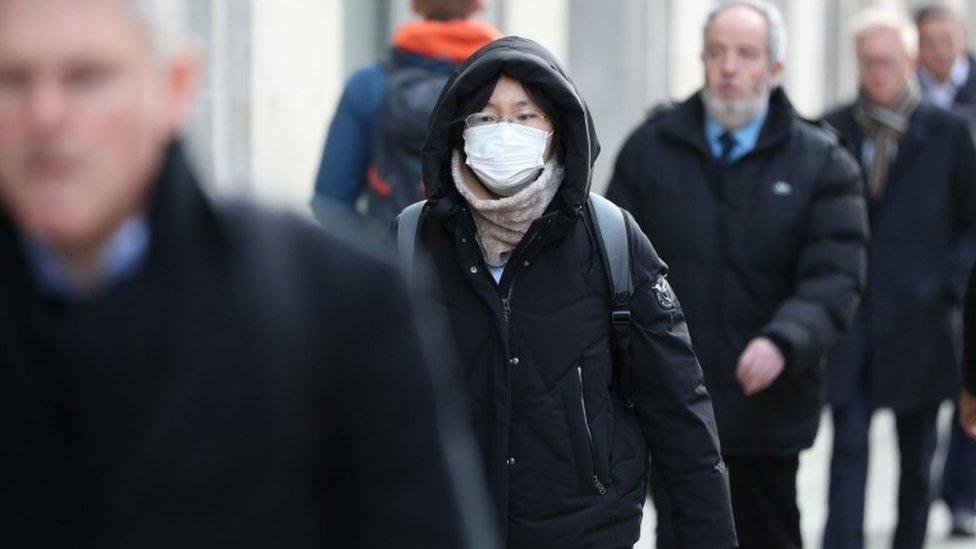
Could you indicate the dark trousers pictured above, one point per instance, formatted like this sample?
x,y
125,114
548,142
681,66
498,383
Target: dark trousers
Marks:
x,y
959,474
763,503
849,472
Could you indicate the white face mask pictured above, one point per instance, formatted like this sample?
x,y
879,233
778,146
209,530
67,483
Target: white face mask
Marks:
x,y
506,157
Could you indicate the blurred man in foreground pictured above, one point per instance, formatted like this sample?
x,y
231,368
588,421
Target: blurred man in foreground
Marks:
x,y
177,374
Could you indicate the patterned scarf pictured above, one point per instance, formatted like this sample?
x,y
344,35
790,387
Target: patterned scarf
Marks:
x,y
503,221
885,126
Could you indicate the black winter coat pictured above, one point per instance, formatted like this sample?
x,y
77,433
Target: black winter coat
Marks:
x,y
923,240
772,245
969,328
566,461
256,384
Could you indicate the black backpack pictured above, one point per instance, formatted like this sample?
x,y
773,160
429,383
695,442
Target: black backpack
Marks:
x,y
613,238
394,178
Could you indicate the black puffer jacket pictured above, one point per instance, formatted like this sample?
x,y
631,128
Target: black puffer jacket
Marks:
x,y
566,461
773,246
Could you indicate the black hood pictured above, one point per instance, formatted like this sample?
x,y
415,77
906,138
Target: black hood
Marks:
x,y
530,63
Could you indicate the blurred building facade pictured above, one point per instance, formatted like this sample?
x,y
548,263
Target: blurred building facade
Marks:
x,y
276,68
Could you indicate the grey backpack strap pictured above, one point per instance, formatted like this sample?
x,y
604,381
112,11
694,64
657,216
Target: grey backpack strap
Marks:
x,y
613,234
407,226
611,226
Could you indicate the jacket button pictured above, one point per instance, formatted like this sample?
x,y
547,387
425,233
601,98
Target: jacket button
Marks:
x,y
474,270
514,361
510,462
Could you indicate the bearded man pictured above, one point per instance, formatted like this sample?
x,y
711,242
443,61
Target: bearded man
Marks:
x,y
761,218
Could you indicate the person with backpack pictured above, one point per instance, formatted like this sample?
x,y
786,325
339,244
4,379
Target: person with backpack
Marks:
x,y
374,140
572,346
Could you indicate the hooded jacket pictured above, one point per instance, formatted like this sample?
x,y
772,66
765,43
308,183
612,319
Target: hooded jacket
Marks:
x,y
566,460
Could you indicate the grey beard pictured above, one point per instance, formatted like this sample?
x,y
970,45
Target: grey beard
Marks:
x,y
733,115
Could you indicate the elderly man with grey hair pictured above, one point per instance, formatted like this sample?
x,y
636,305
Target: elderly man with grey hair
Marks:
x,y
180,373
902,352
760,217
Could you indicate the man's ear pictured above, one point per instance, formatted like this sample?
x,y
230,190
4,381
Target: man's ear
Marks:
x,y
776,73
182,78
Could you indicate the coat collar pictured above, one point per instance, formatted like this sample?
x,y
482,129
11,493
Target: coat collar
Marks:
x,y
966,95
685,124
177,213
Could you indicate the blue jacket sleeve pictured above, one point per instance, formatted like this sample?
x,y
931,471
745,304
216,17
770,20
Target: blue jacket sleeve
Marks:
x,y
349,143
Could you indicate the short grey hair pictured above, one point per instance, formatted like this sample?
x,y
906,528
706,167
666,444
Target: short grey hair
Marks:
x,y
871,20
776,39
164,22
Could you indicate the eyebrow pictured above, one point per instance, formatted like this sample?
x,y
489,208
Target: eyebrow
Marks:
x,y
522,103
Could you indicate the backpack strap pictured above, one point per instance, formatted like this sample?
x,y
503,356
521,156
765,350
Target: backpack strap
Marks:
x,y
612,235
408,226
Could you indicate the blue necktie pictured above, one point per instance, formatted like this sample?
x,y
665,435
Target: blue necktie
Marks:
x,y
728,143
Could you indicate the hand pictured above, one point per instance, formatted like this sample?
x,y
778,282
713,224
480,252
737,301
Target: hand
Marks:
x,y
759,366
967,413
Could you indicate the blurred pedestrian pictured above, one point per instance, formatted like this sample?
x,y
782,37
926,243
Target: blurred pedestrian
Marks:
x,y
174,373
903,348
524,267
373,144
947,73
760,216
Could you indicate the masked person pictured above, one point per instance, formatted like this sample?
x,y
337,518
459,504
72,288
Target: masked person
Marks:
x,y
519,268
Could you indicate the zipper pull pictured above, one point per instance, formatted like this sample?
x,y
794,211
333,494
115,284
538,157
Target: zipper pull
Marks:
x,y
600,488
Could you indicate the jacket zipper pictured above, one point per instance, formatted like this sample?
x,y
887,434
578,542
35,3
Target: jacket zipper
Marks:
x,y
507,299
595,481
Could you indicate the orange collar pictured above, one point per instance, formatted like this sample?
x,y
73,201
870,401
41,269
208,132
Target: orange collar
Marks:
x,y
453,40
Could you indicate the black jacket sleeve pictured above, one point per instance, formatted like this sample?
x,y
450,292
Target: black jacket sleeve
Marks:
x,y
969,341
962,247
623,189
831,271
407,473
674,407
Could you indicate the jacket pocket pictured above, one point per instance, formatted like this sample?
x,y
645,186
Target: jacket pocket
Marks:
x,y
581,434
